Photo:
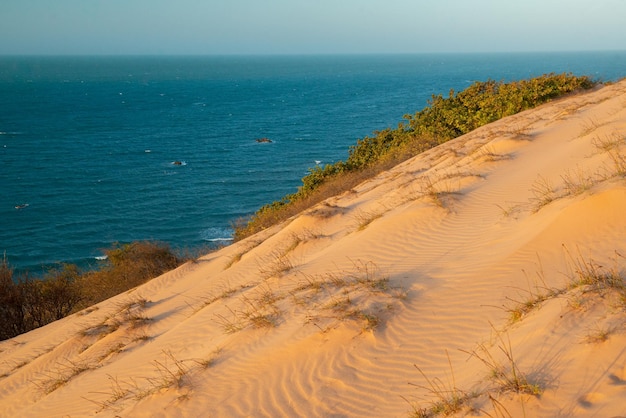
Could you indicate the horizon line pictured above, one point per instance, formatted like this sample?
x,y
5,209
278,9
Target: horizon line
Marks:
x,y
309,54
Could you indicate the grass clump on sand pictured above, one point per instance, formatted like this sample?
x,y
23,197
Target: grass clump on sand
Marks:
x,y
447,398
443,119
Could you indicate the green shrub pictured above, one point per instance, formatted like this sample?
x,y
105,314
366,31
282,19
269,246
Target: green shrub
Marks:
x,y
485,102
443,119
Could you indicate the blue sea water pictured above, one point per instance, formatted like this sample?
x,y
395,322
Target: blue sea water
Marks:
x,y
89,143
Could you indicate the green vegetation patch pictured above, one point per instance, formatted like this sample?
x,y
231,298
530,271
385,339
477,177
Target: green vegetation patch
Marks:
x,y
442,120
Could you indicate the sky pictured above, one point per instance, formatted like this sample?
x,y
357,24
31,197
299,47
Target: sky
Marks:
x,y
218,27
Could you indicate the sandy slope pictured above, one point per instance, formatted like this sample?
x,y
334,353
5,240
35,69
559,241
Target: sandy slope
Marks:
x,y
380,301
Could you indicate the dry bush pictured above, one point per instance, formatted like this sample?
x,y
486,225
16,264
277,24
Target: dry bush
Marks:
x,y
26,303
128,266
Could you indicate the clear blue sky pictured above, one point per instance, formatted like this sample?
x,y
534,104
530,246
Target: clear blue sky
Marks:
x,y
308,26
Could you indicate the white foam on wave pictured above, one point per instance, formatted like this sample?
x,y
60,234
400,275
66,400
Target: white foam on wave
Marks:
x,y
219,239
101,257
217,235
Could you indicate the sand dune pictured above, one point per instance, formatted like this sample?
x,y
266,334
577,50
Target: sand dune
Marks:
x,y
484,271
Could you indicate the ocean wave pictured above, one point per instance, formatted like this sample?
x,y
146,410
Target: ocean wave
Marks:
x,y
218,239
217,235
101,257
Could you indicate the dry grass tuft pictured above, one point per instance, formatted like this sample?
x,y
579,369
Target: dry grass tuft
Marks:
x,y
447,398
609,142
239,255
262,311
536,294
364,218
437,191
64,372
577,182
619,163
170,373
543,193
509,210
521,133
230,324
534,301
593,276
504,370
327,210
585,276
488,153
589,126
279,264
599,335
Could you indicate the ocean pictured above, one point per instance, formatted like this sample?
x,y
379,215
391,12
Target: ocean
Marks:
x,y
99,150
